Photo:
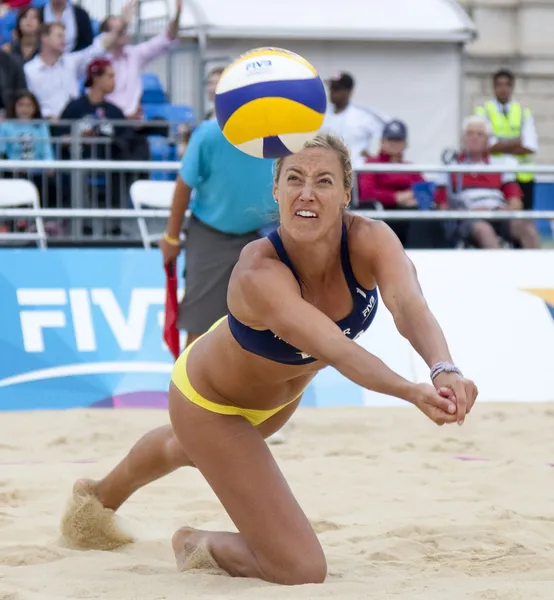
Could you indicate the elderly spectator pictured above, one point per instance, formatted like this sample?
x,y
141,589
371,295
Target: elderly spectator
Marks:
x,y
53,75
12,80
485,191
513,128
78,28
26,44
358,127
128,61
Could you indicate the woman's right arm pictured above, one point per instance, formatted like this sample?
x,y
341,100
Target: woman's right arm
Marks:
x,y
270,296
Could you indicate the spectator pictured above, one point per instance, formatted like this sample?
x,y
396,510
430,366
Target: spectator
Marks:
x,y
129,59
26,44
95,115
391,190
76,20
22,139
513,130
485,191
395,191
53,75
358,127
12,80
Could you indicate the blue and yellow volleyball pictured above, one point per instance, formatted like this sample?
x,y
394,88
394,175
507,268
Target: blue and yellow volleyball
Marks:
x,y
269,102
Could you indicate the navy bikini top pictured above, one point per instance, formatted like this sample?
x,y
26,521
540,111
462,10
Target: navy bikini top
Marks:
x,y
265,343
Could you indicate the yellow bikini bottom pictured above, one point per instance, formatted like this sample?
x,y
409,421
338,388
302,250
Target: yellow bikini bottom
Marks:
x,y
180,379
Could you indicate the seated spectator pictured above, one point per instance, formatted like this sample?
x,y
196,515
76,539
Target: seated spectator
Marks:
x,y
95,115
395,191
391,190
485,191
12,80
76,20
22,139
25,44
129,60
53,75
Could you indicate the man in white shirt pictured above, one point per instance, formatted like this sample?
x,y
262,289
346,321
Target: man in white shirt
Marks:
x,y
53,75
358,127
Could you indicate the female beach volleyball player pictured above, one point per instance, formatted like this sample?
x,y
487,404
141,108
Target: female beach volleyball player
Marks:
x,y
296,302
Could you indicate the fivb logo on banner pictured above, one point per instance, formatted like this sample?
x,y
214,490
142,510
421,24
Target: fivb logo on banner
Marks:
x,y
82,327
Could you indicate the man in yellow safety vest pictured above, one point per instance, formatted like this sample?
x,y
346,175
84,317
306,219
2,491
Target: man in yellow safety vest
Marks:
x,y
514,130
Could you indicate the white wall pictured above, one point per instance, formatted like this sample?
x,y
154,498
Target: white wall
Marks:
x,y
500,334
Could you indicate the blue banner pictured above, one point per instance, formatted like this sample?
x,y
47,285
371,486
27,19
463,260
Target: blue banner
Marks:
x,y
84,328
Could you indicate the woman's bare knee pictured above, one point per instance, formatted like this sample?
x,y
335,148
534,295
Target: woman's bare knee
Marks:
x,y
297,568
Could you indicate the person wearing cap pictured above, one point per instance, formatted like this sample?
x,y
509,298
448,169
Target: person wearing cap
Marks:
x,y
391,190
358,127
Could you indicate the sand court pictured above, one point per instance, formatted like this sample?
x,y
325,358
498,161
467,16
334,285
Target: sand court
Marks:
x,y
404,509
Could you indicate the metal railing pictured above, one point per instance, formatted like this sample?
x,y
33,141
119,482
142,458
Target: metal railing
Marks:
x,y
90,197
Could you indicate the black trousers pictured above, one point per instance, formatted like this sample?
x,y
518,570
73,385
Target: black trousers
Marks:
x,y
528,189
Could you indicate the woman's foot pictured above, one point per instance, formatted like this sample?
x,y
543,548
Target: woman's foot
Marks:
x,y
86,523
191,550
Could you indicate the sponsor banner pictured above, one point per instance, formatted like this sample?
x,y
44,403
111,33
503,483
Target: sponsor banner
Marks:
x,y
84,328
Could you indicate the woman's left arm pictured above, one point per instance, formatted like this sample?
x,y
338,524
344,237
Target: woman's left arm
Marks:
x,y
400,290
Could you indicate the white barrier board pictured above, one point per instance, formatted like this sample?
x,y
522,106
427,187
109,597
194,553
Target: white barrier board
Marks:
x,y
497,311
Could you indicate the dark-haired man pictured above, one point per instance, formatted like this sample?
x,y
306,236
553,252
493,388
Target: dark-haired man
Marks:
x,y
514,131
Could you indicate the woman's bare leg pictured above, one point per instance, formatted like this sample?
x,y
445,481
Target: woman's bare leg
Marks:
x,y
157,454
275,541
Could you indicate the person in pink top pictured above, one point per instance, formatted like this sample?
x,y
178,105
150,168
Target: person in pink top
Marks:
x,y
128,61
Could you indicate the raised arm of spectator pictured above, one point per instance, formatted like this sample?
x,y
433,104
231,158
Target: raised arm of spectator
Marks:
x,y
154,47
104,41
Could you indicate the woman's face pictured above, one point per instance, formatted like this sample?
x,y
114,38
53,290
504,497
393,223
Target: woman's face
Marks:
x,y
310,192
29,23
24,108
106,81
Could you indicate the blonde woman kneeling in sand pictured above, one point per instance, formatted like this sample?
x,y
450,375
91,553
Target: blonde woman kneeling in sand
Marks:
x,y
297,301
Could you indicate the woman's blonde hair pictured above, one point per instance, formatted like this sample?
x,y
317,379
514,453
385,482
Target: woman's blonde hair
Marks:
x,y
329,142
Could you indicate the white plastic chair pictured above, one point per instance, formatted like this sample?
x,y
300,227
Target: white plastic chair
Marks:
x,y
151,194
22,192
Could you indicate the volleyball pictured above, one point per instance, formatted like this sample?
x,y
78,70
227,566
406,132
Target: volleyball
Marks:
x,y
269,102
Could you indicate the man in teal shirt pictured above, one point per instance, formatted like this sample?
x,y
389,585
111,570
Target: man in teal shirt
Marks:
x,y
229,195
